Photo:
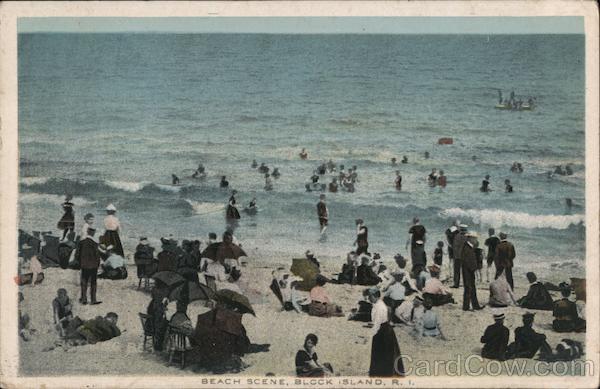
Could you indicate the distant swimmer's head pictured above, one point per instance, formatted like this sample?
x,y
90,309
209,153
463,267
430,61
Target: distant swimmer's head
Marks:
x,y
507,182
487,176
569,202
322,196
441,172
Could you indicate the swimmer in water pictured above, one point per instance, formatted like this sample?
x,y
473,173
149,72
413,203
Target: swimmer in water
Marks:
x,y
263,168
559,170
331,166
427,155
432,178
394,161
398,181
405,159
254,164
441,181
268,182
174,179
303,154
485,184
224,183
569,169
508,186
199,172
276,173
333,186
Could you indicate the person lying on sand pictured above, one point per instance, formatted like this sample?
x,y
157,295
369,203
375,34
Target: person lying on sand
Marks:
x,y
96,330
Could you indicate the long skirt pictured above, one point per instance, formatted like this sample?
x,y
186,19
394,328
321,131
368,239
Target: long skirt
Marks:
x,y
385,354
112,238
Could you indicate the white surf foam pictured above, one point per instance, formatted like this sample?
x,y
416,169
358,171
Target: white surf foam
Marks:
x,y
126,186
201,208
34,180
36,198
497,218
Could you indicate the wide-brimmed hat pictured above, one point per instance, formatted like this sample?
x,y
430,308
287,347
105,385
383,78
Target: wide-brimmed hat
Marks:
x,y
419,242
144,240
111,207
463,226
453,228
498,316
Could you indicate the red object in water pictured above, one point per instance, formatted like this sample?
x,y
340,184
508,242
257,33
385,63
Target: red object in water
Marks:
x,y
445,141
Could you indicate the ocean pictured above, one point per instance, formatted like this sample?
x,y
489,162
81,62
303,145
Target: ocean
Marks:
x,y
109,117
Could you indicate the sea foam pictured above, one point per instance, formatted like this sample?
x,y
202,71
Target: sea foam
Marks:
x,y
497,218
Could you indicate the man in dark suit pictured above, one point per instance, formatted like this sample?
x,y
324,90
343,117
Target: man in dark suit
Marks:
x,y
495,339
505,254
458,244
88,256
469,266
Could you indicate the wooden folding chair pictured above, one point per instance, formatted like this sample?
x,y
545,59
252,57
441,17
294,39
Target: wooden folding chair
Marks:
x,y
148,333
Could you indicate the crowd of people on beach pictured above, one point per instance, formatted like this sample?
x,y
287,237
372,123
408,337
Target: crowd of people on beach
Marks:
x,y
402,296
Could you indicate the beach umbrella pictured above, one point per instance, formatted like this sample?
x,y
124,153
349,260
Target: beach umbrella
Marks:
x,y
169,278
220,250
277,290
234,299
307,270
195,291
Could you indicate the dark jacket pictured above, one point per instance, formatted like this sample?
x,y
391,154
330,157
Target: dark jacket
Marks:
x,y
469,256
459,242
505,253
144,254
167,260
495,339
366,276
88,255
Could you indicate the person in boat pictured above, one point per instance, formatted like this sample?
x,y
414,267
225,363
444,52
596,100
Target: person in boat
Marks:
x,y
303,154
232,213
174,179
507,186
537,296
268,182
254,164
307,363
404,159
67,221
394,161
485,184
565,313
276,174
224,183
333,185
528,342
398,181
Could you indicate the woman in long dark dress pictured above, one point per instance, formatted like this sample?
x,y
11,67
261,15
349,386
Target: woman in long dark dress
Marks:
x,y
232,215
67,221
386,360
112,227
307,364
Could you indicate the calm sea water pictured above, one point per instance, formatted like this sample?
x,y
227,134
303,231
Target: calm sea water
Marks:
x,y
109,117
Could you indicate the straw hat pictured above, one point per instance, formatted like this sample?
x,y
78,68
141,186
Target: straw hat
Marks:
x,y
111,207
419,242
498,316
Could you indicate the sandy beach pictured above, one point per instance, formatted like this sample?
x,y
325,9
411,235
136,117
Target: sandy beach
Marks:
x,y
345,344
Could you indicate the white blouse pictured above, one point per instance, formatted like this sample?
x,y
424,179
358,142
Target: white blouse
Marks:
x,y
111,223
379,315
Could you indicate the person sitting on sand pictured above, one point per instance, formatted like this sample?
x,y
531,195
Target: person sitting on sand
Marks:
x,y
434,290
292,298
113,267
566,350
409,312
144,258
321,305
365,274
428,324
537,296
96,330
495,339
501,294
62,308
528,342
36,270
363,312
565,312
307,363
333,185
348,273
224,183
394,294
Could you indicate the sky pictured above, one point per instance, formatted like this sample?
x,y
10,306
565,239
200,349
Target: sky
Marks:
x,y
308,25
